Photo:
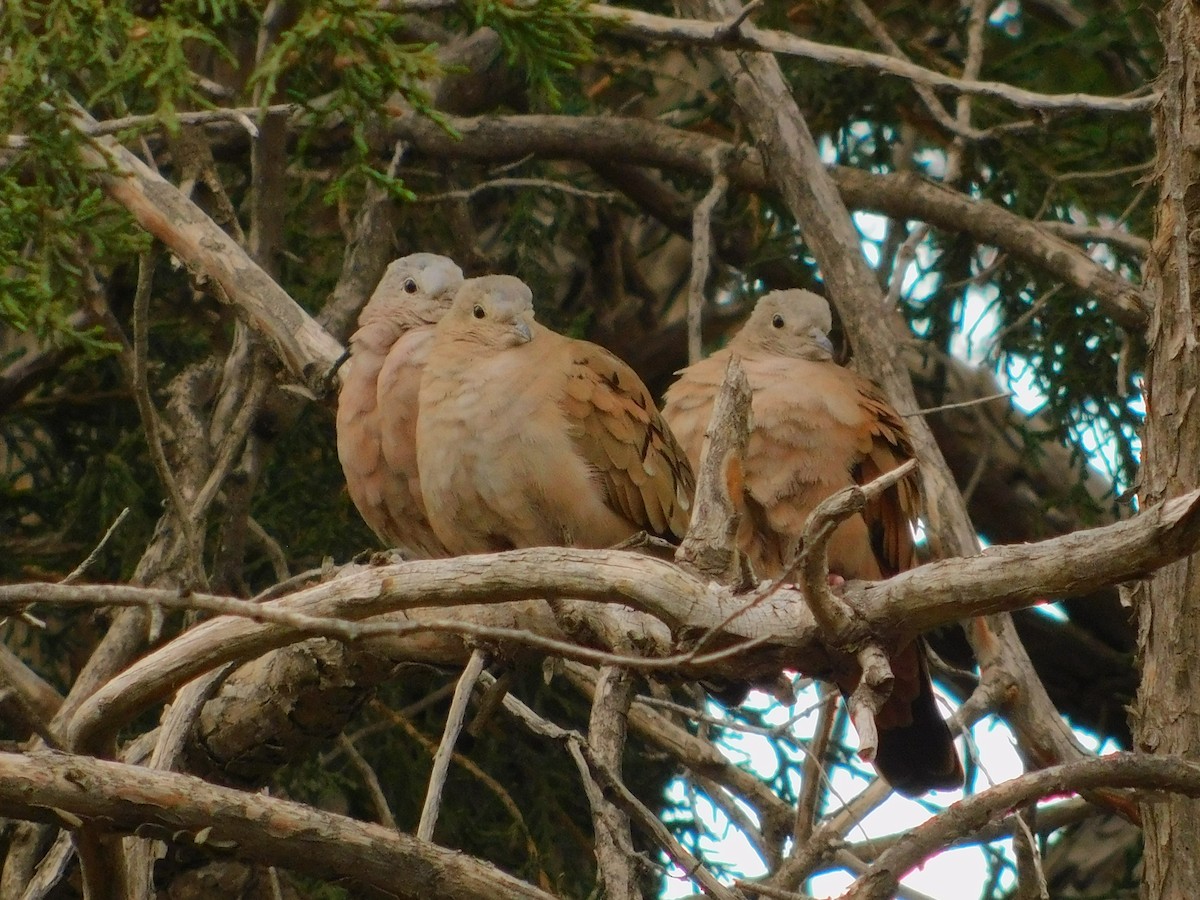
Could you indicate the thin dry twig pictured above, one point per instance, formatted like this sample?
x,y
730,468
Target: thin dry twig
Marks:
x,y
878,31
152,425
52,868
177,722
906,253
846,859
976,23
301,624
371,781
80,570
804,858
699,756
702,249
765,890
709,33
977,401
815,777
868,698
270,546
731,807
831,613
731,29
1031,876
276,884
441,759
497,184
506,800
234,434
580,750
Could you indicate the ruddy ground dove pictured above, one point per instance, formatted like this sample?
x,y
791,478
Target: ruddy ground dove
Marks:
x,y
818,427
528,438
377,405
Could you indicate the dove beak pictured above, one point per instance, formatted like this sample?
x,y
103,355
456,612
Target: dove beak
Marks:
x,y
523,331
822,341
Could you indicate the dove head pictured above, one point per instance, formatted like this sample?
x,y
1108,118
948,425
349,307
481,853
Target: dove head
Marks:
x,y
493,311
415,290
792,323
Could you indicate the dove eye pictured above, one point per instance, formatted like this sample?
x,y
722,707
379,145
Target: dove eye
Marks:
x,y
410,286
478,312
777,320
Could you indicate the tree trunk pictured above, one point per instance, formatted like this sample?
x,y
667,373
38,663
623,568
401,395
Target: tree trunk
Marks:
x,y
1167,711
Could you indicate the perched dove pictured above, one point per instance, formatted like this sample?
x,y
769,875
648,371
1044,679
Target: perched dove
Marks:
x,y
817,428
377,407
528,438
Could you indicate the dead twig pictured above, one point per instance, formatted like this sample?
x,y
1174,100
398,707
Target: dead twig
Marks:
x,y
608,726
646,817
441,759
80,570
814,777
702,246
710,545
370,781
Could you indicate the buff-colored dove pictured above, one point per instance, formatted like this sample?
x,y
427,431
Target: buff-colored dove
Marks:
x,y
528,438
377,406
818,427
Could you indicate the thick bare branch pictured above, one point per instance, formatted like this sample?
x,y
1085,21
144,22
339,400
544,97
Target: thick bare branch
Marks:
x,y
995,582
736,33
303,346
904,195
1120,770
62,789
779,631
748,37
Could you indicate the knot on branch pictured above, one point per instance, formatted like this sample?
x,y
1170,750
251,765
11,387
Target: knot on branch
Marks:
x,y
323,381
874,689
730,31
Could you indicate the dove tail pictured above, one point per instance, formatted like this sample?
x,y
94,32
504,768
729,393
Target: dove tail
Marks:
x,y
920,756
